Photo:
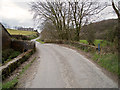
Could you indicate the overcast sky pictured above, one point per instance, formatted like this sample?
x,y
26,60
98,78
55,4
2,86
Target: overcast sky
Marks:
x,y
16,13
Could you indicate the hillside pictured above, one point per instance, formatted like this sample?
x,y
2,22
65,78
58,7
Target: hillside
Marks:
x,y
100,29
20,32
23,35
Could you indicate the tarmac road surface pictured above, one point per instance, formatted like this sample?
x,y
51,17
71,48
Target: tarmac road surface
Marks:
x,y
62,67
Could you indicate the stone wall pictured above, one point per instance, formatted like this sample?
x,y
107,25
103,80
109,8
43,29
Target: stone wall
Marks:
x,y
76,44
27,47
16,62
20,37
22,46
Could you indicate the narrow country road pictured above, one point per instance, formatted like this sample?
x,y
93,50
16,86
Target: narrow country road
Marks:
x,y
61,67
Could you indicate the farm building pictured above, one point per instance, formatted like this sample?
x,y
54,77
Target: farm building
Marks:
x,y
7,42
6,38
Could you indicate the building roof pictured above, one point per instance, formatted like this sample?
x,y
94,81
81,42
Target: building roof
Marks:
x,y
3,28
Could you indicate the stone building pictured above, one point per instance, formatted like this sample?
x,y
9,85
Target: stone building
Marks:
x,y
6,38
18,45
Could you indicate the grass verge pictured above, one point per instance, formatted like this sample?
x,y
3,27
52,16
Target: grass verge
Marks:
x,y
11,84
40,41
27,66
109,61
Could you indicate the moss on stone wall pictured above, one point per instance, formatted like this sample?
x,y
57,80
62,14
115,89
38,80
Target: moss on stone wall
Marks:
x,y
11,67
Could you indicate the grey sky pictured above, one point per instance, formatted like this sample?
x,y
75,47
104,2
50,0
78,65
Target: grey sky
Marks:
x,y
16,13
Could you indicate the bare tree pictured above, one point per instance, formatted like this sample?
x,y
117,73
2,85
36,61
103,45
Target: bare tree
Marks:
x,y
90,34
48,31
82,11
117,11
63,14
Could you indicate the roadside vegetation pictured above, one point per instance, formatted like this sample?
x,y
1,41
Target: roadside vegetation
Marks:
x,y
107,57
102,43
30,37
40,41
109,61
104,58
11,84
8,55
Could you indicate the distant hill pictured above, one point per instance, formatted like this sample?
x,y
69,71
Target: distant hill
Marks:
x,y
100,29
21,32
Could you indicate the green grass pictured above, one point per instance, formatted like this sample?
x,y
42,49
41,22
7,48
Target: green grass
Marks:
x,y
108,61
20,32
40,41
27,66
96,42
12,83
29,34
84,41
8,55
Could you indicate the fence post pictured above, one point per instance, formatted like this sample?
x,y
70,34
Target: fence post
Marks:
x,y
98,48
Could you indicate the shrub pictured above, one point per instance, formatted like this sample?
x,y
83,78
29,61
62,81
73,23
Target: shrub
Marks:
x,y
30,37
9,54
5,54
14,54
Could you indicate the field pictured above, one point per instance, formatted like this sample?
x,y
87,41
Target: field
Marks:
x,y
96,42
20,32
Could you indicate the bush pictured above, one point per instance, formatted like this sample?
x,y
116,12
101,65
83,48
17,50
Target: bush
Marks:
x,y
24,37
30,37
9,54
14,54
5,54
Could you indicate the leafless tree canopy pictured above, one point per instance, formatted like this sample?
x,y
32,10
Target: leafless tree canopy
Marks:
x,y
66,15
116,9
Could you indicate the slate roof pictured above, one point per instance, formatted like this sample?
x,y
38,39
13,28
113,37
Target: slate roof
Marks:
x,y
4,29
